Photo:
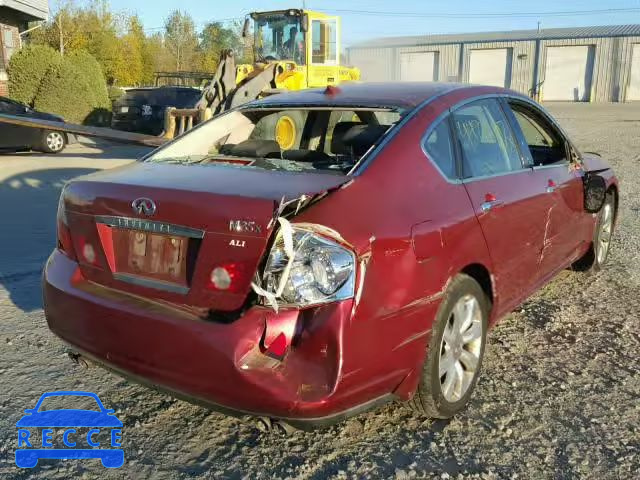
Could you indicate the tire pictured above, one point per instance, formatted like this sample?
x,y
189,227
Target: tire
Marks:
x,y
267,128
595,259
443,396
53,142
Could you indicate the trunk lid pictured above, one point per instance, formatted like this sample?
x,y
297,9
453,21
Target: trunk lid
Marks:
x,y
205,217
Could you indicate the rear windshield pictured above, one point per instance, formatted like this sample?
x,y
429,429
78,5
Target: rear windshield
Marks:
x,y
300,139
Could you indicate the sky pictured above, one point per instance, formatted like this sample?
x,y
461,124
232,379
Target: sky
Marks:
x,y
361,20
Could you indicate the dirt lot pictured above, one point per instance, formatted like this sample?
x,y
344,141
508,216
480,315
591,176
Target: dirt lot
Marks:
x,y
559,396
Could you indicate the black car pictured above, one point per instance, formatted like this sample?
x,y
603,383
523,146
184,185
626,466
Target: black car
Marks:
x,y
142,109
17,137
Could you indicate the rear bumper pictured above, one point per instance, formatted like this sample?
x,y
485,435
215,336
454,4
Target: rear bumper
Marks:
x,y
220,365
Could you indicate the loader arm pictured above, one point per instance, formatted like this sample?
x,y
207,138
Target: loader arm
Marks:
x,y
221,94
221,85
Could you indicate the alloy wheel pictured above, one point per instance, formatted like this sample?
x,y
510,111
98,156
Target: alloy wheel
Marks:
x,y
606,230
460,348
55,141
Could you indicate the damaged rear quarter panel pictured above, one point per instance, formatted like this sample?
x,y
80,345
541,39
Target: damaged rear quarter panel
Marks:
x,y
408,244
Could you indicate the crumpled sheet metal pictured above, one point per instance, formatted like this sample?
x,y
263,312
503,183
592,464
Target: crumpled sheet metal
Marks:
x,y
286,234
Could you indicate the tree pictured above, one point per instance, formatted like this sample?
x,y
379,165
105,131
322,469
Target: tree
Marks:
x,y
129,67
154,58
63,32
215,38
181,39
127,55
101,27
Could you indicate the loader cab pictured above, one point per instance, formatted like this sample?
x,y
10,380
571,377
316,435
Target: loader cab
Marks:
x,y
309,39
279,36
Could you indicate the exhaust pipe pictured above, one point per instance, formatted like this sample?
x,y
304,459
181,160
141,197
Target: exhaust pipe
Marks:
x,y
284,428
79,360
266,424
263,424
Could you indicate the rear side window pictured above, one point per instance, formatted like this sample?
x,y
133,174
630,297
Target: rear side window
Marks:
x,y
10,108
439,148
486,140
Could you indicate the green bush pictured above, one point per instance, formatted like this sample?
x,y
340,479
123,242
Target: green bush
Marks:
x,y
28,68
115,93
75,89
91,71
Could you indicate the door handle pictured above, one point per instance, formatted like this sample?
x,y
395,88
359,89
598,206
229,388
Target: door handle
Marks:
x,y
486,206
551,186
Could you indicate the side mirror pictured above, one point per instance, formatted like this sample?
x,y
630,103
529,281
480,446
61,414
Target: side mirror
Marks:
x,y
30,410
595,192
304,23
245,28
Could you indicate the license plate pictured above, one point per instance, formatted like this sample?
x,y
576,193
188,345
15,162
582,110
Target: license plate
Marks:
x,y
124,109
156,254
152,255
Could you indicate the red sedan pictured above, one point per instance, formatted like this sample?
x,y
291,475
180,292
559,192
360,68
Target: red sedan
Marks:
x,y
314,254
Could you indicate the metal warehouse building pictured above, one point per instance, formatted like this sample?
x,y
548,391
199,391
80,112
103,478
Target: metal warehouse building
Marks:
x,y
597,64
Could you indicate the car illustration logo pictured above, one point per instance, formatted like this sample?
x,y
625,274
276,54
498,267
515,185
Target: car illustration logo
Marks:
x,y
144,206
68,426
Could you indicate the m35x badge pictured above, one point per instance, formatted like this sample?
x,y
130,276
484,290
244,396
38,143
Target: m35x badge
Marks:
x,y
242,226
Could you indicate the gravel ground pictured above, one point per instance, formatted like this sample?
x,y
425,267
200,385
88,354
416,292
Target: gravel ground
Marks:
x,y
559,395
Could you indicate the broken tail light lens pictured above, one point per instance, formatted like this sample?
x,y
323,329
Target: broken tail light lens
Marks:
x,y
318,271
231,277
64,233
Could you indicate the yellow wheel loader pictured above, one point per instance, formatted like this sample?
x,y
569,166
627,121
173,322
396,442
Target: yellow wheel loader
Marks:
x,y
293,50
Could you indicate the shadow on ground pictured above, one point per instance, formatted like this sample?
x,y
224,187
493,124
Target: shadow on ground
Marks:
x,y
28,205
99,150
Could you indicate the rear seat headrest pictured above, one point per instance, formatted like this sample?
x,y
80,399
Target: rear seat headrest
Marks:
x,y
355,138
254,148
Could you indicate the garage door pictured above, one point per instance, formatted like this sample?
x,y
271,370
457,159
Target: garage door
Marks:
x,y
491,67
633,92
419,67
568,74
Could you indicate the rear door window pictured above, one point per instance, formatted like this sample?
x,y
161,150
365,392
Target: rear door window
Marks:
x,y
486,140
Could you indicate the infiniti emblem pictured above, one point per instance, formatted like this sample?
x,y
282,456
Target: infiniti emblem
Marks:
x,y
144,206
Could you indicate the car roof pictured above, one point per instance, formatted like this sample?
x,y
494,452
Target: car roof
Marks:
x,y
402,95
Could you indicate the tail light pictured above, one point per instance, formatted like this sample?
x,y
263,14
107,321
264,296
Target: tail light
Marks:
x,y
229,277
64,234
304,269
